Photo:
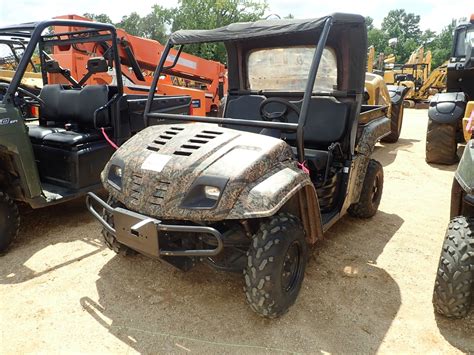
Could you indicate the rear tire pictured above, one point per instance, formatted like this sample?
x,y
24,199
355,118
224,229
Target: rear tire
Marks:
x,y
110,239
396,122
9,221
371,193
441,144
276,262
455,276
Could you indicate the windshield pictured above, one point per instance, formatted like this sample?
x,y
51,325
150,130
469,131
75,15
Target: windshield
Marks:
x,y
287,69
465,36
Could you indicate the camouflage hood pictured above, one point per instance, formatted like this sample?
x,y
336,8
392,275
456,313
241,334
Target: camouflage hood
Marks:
x,y
169,171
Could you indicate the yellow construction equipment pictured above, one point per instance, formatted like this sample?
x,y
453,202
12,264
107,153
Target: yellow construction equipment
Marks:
x,y
11,51
415,74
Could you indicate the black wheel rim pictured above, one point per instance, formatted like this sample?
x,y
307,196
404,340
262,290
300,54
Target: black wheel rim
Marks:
x,y
376,189
291,267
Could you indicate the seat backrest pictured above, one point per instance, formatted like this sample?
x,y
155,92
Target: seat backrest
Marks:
x,y
245,107
73,105
326,123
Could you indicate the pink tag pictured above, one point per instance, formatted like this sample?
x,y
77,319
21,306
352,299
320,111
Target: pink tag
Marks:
x,y
303,167
469,125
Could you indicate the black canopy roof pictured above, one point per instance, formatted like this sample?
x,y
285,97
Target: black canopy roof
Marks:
x,y
260,29
347,36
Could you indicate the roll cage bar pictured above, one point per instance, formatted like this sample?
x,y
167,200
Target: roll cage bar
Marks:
x,y
293,127
33,32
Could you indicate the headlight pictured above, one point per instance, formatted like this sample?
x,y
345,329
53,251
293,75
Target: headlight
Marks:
x,y
115,176
212,192
205,193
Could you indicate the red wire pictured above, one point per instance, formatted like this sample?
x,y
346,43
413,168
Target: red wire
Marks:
x,y
108,139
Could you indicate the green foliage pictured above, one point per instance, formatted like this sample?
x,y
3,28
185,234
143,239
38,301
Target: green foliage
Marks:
x,y
369,22
98,17
191,14
151,26
441,45
209,14
406,29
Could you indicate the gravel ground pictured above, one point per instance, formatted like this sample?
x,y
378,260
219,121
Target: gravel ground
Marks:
x,y
367,289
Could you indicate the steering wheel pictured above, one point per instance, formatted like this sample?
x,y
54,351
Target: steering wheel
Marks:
x,y
281,116
24,92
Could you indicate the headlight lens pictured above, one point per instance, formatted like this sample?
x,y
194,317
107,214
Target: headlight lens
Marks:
x,y
115,176
212,192
205,192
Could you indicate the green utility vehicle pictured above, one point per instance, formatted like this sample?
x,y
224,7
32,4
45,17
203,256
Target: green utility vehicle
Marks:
x,y
58,155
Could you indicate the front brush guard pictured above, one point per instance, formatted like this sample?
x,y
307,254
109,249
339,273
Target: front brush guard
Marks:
x,y
141,232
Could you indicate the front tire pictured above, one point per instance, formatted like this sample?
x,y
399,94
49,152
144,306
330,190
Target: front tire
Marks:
x,y
455,276
371,193
276,262
441,143
9,221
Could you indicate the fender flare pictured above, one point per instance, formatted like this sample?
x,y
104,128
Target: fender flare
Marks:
x,y
447,107
397,93
285,185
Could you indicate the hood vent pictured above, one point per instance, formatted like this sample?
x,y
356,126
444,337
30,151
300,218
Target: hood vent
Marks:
x,y
156,199
164,138
197,142
136,187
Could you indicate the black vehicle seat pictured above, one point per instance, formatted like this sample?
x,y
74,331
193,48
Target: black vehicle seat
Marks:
x,y
245,107
326,124
37,133
72,157
70,106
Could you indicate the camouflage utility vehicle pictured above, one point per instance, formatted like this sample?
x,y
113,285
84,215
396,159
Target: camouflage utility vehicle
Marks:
x,y
454,285
252,189
55,141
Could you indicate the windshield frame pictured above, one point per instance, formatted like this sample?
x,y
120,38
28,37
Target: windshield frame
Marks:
x,y
33,33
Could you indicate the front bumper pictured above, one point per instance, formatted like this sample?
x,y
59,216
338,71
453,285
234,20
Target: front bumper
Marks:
x,y
142,233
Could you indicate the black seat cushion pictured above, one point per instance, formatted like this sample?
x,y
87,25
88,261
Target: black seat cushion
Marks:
x,y
67,105
37,133
326,123
70,138
245,107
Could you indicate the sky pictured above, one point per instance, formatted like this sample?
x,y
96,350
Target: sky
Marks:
x,y
435,14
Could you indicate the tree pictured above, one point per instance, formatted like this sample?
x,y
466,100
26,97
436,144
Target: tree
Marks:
x,y
369,22
378,39
441,45
154,24
98,17
131,24
209,14
406,28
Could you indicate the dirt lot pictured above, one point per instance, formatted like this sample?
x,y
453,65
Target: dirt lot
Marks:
x,y
368,286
